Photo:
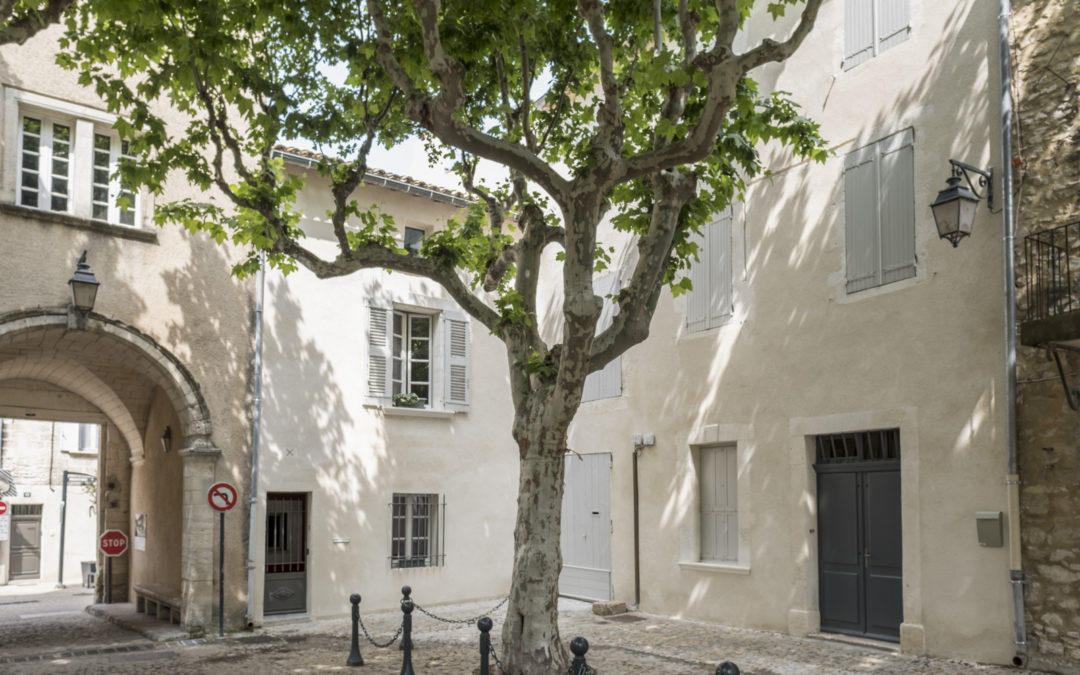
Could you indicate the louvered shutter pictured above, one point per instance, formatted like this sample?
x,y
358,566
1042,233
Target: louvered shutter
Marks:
x,y
379,353
456,375
606,382
719,504
718,242
897,176
697,300
858,32
860,220
894,23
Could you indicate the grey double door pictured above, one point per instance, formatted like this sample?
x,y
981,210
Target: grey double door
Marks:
x,y
859,549
285,583
26,541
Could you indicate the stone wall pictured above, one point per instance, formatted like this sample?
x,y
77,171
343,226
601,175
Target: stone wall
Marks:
x,y
1046,66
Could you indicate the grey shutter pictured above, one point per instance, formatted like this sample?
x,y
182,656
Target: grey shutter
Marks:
x,y
719,504
858,32
893,19
718,242
379,336
697,300
606,382
897,175
456,375
860,220
89,438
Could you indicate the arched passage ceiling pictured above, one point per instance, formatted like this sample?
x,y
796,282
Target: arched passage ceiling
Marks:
x,y
112,366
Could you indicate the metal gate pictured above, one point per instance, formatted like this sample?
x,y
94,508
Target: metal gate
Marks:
x,y
285,583
859,534
586,528
25,541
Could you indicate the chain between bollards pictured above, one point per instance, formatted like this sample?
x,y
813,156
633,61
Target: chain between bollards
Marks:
x,y
355,659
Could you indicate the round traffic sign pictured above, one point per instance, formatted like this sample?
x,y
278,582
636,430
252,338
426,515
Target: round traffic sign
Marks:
x,y
221,496
113,543
3,508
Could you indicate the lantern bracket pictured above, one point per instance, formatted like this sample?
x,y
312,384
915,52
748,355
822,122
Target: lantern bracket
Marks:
x,y
985,180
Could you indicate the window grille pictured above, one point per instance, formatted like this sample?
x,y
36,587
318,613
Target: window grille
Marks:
x,y
417,526
860,446
26,509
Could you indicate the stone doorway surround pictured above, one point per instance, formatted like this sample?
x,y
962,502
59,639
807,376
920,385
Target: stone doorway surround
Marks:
x,y
49,346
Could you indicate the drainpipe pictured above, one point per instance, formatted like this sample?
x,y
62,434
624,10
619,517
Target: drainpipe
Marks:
x,y
1012,480
638,447
256,414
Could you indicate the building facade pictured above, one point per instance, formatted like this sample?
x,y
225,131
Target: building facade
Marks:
x,y
814,439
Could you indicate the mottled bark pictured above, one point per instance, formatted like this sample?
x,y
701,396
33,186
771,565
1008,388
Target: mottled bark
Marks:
x,y
531,644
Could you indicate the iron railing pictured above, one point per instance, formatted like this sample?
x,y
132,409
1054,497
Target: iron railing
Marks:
x,y
1051,257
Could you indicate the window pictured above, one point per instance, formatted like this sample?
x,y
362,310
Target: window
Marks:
x,y
413,239
719,506
424,353
76,437
67,157
873,26
416,531
709,304
607,382
879,212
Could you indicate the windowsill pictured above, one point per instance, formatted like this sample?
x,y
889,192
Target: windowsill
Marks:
x,y
68,220
716,568
400,411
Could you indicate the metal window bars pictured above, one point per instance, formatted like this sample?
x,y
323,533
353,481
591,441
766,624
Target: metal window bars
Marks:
x,y
417,530
1049,257
860,446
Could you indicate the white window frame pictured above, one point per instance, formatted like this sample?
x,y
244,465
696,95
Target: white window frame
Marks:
x,y
84,122
406,382
419,541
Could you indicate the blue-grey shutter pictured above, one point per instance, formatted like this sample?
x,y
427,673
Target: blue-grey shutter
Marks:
x,y
894,23
456,374
718,243
606,382
858,32
860,220
379,335
897,175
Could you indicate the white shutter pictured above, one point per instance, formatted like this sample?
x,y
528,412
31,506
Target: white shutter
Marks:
x,y
858,32
897,176
893,21
69,436
606,382
457,362
860,220
89,437
719,504
379,335
697,300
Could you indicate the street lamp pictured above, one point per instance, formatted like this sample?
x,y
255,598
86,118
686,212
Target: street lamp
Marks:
x,y
84,286
954,208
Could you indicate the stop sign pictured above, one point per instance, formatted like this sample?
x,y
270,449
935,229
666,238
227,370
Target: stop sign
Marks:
x,y
113,542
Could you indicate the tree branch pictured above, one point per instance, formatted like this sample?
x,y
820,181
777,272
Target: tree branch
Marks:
x,y
771,50
18,29
608,141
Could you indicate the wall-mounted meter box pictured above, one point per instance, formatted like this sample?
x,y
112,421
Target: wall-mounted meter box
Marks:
x,y
988,527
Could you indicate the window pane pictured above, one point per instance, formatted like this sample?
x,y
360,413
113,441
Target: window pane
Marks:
x,y
420,327
420,373
29,198
101,193
59,186
421,390
101,142
30,161
60,167
101,176
32,126
101,212
30,180
61,134
127,217
419,349
59,203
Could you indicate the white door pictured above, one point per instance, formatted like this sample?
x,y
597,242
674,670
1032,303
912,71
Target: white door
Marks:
x,y
586,528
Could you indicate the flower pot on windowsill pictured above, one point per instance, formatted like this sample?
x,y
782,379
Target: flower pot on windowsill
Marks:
x,y
403,404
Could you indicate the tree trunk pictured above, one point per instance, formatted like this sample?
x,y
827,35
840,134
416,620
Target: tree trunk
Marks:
x,y
530,636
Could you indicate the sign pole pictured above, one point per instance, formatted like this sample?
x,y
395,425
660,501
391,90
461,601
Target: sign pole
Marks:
x,y
221,577
108,580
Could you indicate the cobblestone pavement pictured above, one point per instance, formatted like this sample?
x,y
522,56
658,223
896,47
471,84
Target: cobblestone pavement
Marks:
x,y
635,643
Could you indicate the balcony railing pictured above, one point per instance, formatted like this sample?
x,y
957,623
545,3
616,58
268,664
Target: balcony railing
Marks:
x,y
1052,260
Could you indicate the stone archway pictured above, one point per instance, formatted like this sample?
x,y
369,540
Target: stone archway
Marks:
x,y
117,368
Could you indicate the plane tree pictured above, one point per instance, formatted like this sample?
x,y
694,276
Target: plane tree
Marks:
x,y
21,20
637,117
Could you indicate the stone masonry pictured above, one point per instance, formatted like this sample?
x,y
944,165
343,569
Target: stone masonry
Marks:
x,y
1046,66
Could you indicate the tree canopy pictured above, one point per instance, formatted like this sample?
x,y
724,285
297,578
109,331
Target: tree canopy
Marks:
x,y
20,20
638,114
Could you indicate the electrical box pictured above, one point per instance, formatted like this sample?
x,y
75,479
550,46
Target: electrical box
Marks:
x,y
988,527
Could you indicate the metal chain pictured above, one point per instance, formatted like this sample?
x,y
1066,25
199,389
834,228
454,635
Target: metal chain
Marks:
x,y
372,640
586,670
493,653
463,621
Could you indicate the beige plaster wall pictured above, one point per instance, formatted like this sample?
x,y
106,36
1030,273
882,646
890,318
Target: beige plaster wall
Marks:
x,y
801,357
320,436
174,287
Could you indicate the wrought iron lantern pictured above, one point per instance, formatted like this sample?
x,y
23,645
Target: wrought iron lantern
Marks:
x,y
954,208
84,286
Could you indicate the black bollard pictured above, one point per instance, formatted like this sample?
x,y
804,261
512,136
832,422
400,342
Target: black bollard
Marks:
x,y
727,668
355,659
406,632
406,591
484,624
578,646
